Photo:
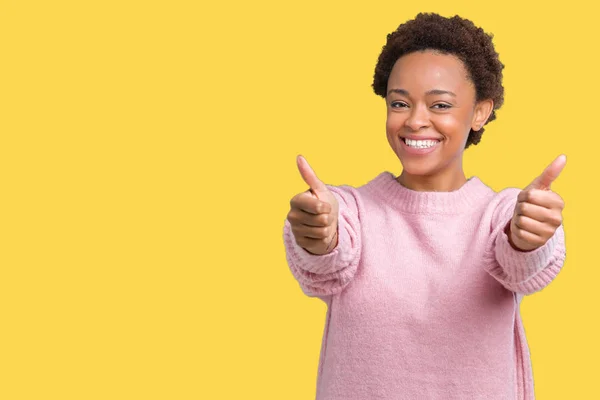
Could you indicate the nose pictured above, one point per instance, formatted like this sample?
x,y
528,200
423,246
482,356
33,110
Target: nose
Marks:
x,y
418,118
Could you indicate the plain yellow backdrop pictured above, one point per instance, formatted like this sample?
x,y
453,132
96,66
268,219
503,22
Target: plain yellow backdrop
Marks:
x,y
147,159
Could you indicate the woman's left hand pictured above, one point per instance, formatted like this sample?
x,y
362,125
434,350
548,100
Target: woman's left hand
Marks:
x,y
538,212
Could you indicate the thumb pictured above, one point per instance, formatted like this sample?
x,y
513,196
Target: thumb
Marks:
x,y
309,176
550,174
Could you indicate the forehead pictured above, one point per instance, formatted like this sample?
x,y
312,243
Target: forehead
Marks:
x,y
423,71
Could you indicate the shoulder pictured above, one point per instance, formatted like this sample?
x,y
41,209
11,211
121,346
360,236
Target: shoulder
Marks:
x,y
356,196
500,204
495,198
507,196
374,185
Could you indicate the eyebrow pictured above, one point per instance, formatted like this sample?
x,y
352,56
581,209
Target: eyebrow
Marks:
x,y
430,92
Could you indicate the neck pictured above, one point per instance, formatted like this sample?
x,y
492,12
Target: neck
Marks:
x,y
444,182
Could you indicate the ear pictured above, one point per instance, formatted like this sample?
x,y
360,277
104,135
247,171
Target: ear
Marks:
x,y
482,112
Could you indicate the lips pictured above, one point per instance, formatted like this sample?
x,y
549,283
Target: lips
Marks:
x,y
420,137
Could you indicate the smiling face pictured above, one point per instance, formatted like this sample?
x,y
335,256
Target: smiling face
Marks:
x,y
431,108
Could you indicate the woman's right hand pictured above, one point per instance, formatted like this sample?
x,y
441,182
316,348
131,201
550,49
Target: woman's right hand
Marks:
x,y
314,213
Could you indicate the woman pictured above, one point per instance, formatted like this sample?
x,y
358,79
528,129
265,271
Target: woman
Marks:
x,y
423,273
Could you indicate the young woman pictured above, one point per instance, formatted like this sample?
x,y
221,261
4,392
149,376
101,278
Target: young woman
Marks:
x,y
423,273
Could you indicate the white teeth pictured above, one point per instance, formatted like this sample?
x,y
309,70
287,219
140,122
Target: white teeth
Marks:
x,y
420,144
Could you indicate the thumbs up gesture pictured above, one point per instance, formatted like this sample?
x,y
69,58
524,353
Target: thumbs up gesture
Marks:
x,y
538,212
313,214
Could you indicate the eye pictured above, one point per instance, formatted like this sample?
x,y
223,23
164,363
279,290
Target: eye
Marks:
x,y
442,106
398,104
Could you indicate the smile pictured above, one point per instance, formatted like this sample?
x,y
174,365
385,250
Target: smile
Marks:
x,y
419,147
420,144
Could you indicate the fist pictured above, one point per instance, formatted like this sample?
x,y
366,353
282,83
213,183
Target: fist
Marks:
x,y
538,212
313,214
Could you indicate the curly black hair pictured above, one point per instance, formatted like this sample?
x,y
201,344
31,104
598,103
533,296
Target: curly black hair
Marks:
x,y
456,36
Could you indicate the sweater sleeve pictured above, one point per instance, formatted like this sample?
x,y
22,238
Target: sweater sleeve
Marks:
x,y
523,272
324,275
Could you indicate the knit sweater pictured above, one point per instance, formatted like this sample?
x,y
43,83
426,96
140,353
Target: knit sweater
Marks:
x,y
423,292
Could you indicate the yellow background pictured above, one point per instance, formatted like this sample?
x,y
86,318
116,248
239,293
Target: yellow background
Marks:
x,y
147,159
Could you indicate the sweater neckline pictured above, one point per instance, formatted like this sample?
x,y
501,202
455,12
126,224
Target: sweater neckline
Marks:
x,y
417,202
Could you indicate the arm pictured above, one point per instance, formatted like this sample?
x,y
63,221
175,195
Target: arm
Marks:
x,y
323,275
524,272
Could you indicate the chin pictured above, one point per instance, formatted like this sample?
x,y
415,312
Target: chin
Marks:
x,y
415,166
418,168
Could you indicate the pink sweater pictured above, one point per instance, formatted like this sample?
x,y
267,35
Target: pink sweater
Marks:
x,y
423,293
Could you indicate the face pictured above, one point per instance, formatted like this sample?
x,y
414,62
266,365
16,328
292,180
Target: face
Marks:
x,y
430,110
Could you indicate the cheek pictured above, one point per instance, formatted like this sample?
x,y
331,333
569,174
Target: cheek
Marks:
x,y
393,123
453,127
